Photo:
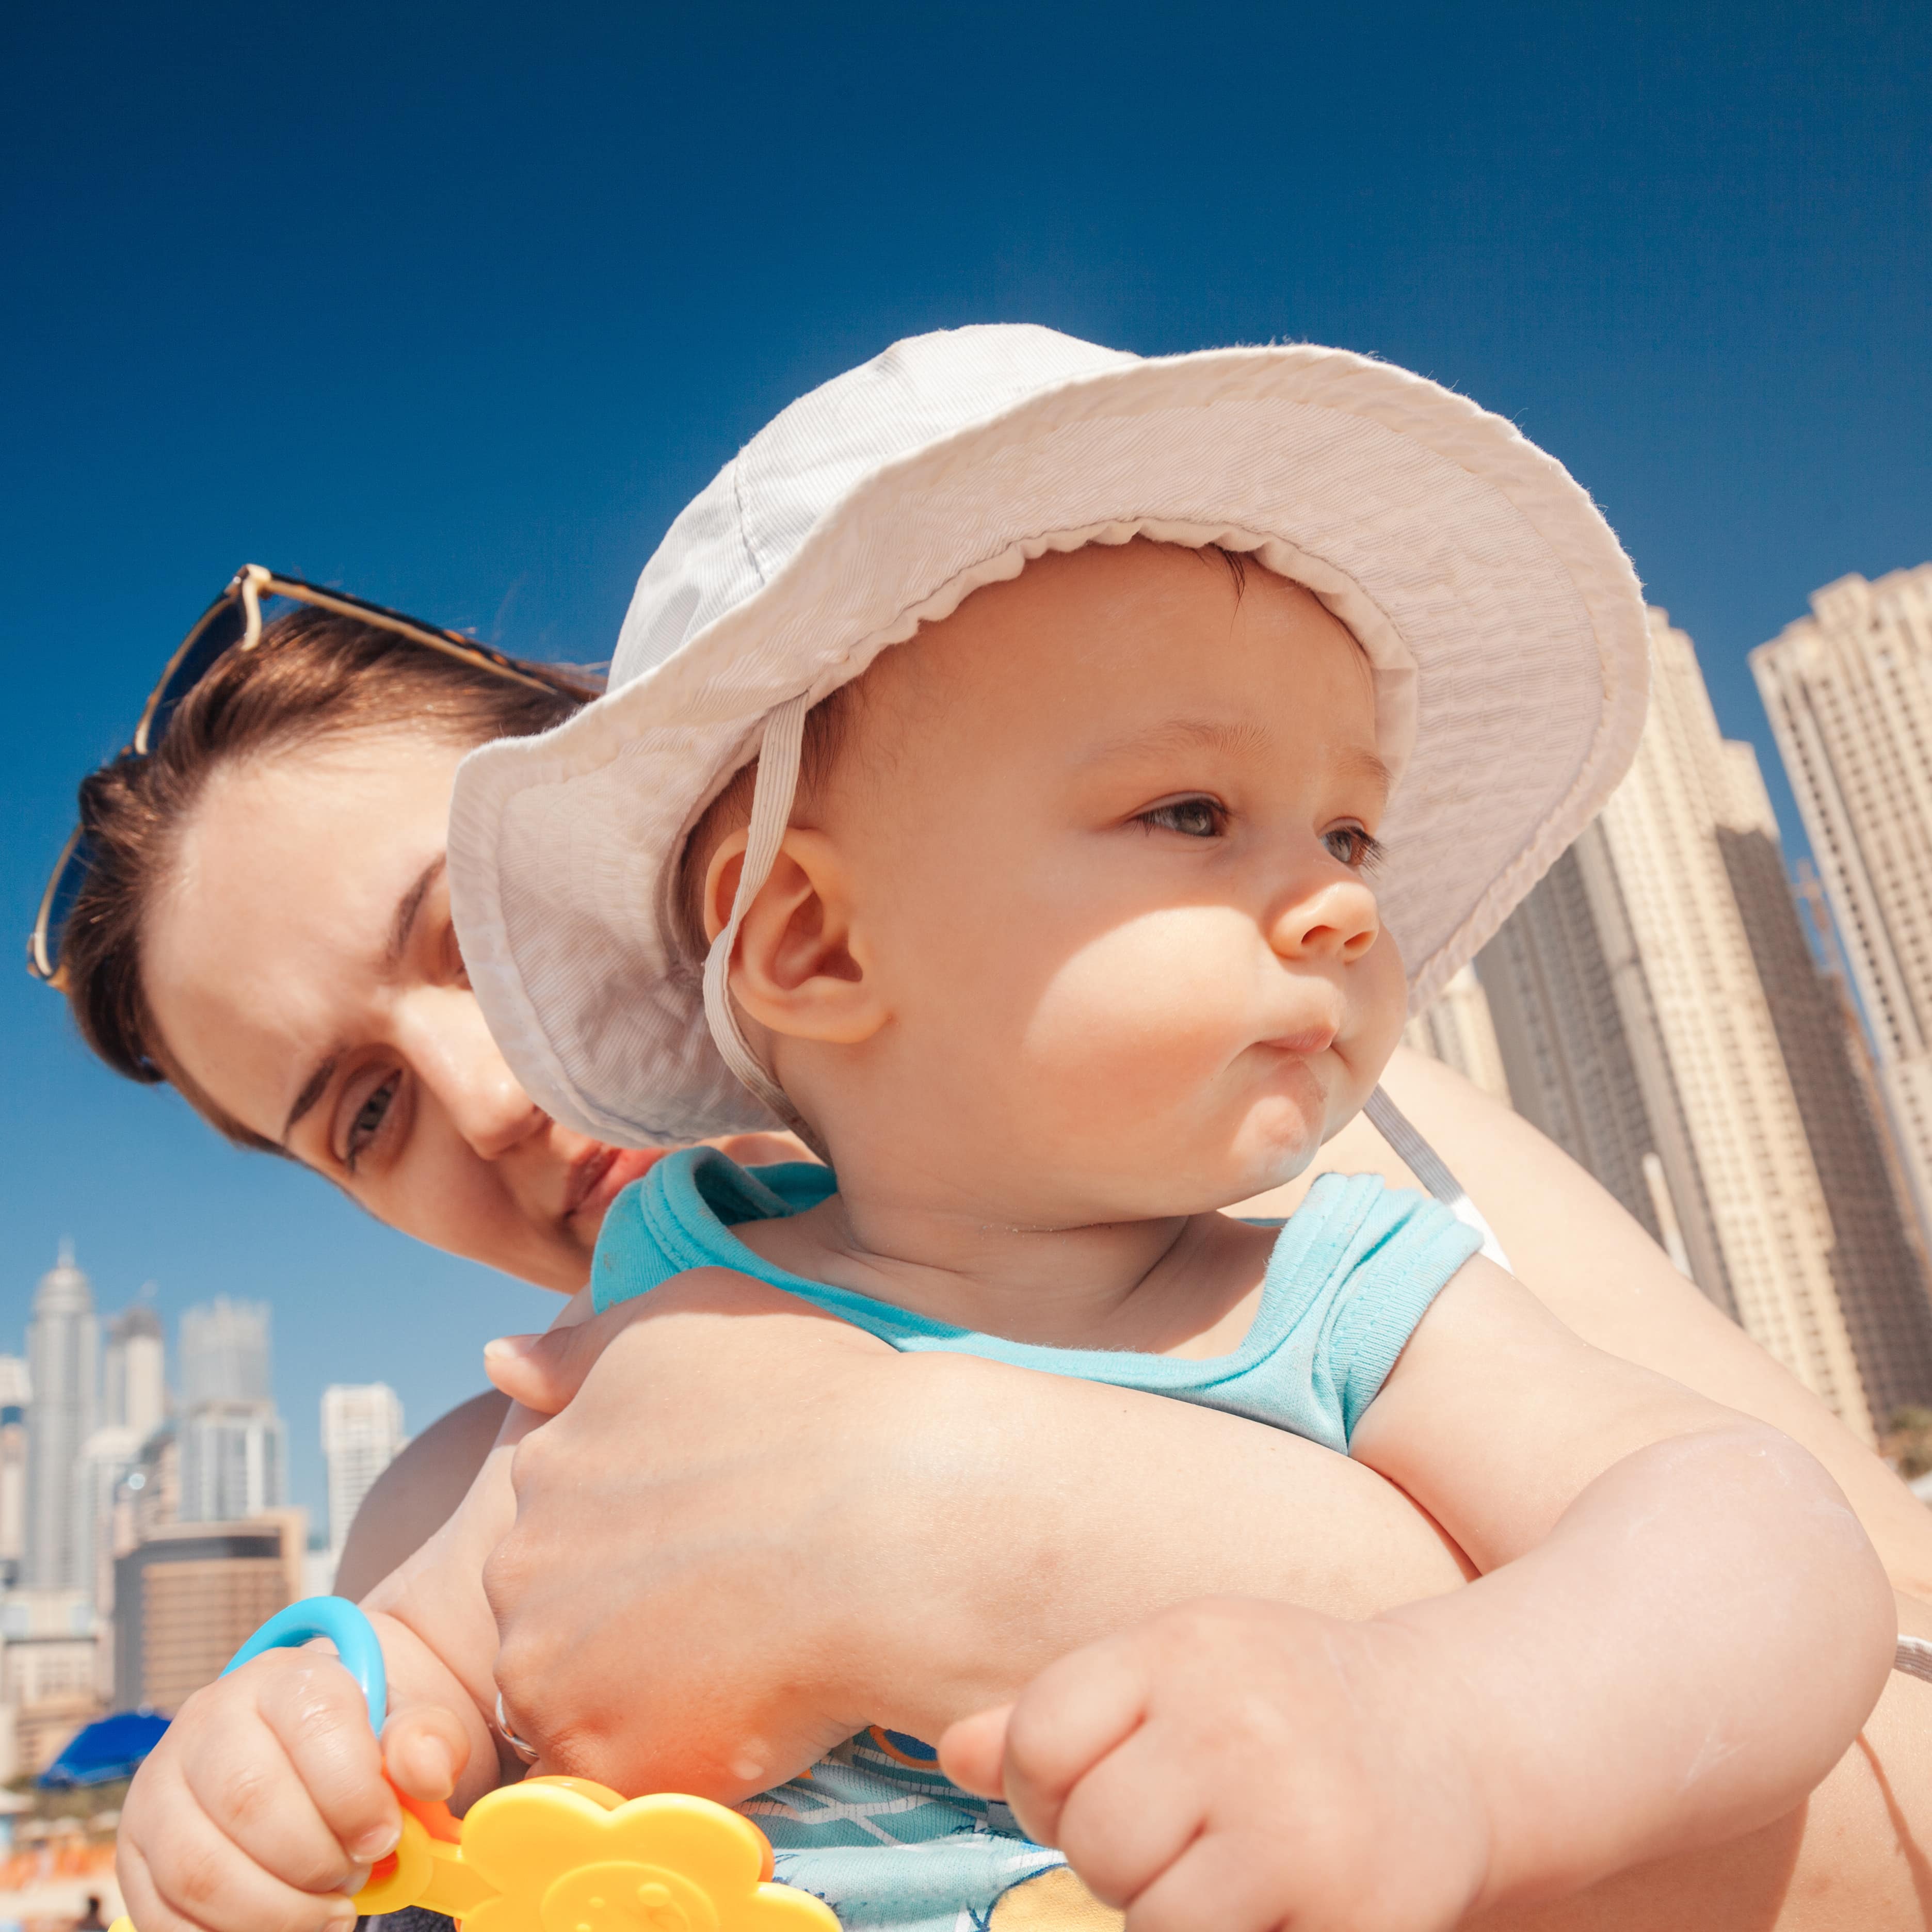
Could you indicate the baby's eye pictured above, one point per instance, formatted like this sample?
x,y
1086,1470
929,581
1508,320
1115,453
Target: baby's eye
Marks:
x,y
1354,847
1192,818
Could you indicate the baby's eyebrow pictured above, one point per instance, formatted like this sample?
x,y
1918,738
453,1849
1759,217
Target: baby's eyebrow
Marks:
x,y
1210,734
1356,762
1183,734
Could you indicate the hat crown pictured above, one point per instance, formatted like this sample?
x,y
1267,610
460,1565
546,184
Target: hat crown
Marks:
x,y
757,512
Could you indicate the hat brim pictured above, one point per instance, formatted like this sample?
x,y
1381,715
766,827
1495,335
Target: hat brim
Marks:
x,y
1505,623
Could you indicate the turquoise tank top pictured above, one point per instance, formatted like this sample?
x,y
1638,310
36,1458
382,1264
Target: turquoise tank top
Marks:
x,y
875,1829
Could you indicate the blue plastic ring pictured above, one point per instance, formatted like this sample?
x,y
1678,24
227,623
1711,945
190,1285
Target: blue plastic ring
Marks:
x,y
352,1634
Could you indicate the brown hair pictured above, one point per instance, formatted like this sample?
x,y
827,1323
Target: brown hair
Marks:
x,y
314,675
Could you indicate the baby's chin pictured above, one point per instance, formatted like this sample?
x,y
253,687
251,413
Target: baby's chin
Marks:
x,y
1248,1169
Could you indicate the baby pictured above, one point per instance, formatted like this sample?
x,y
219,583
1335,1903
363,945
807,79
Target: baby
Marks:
x,y
1040,748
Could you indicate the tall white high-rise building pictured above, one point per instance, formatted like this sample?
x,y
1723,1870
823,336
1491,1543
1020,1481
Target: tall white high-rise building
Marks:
x,y
134,1372
1456,1028
1849,690
234,1461
224,1353
106,1458
361,1435
1643,997
63,1340
233,1446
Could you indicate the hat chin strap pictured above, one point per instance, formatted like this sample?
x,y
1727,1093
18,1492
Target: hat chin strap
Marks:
x,y
772,795
1430,1169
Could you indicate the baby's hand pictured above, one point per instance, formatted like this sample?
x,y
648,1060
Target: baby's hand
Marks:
x,y
1245,1766
264,1805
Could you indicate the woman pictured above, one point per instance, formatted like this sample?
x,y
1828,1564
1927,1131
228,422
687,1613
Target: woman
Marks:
x,y
256,914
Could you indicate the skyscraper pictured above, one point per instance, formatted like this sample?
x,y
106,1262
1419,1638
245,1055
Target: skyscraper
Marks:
x,y
234,1461
224,1352
1849,690
234,1454
362,1432
133,1372
1676,1089
1586,1062
107,1455
1876,1260
1457,1029
63,1341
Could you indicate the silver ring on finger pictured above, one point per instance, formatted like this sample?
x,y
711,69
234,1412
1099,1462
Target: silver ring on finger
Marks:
x,y
526,1752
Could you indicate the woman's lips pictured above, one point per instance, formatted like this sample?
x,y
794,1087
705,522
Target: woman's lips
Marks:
x,y
600,1174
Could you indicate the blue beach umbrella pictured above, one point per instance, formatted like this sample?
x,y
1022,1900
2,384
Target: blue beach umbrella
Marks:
x,y
104,1750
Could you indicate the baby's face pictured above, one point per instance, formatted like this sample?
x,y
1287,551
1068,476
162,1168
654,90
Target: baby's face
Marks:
x,y
1108,831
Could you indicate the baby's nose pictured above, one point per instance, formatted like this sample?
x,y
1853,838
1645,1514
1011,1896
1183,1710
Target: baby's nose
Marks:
x,y
1338,920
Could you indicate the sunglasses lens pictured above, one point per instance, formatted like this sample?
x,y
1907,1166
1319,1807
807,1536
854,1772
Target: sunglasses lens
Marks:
x,y
218,632
43,949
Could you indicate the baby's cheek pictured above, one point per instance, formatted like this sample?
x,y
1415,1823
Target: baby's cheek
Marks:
x,y
1136,1021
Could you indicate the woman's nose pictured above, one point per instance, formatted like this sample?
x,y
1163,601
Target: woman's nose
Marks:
x,y
459,1063
1336,920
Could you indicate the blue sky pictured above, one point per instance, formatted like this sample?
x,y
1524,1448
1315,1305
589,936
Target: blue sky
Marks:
x,y
455,307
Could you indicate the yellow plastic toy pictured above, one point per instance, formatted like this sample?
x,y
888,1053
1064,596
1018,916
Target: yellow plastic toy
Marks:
x,y
556,1854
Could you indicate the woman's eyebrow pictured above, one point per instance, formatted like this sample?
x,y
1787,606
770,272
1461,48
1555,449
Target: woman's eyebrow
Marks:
x,y
401,926
407,907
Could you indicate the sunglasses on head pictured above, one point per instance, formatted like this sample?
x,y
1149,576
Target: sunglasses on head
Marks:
x,y
233,622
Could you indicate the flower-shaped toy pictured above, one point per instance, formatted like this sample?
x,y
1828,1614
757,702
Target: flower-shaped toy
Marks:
x,y
557,1854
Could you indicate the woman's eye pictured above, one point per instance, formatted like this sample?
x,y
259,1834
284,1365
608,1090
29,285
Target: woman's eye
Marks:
x,y
1192,818
369,1118
1355,847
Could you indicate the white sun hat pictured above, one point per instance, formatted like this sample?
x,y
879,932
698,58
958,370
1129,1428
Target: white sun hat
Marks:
x,y
1504,623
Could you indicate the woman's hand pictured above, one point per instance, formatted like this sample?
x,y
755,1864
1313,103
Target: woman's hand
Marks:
x,y
773,1530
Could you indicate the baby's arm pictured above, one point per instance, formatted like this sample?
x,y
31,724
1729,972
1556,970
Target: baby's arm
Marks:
x,y
1680,1628
265,1804
1681,1625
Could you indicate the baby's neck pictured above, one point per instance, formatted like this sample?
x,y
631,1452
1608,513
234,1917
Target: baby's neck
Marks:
x,y
1184,1285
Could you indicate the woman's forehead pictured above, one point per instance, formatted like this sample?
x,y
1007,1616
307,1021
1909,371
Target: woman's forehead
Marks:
x,y
271,946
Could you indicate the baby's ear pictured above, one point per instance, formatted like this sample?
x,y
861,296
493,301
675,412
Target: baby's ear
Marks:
x,y
721,883
799,967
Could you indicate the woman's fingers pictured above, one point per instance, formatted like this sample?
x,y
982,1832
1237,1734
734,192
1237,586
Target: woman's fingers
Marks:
x,y
197,1878
545,1372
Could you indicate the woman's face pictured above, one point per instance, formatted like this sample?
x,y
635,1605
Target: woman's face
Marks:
x,y
302,968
